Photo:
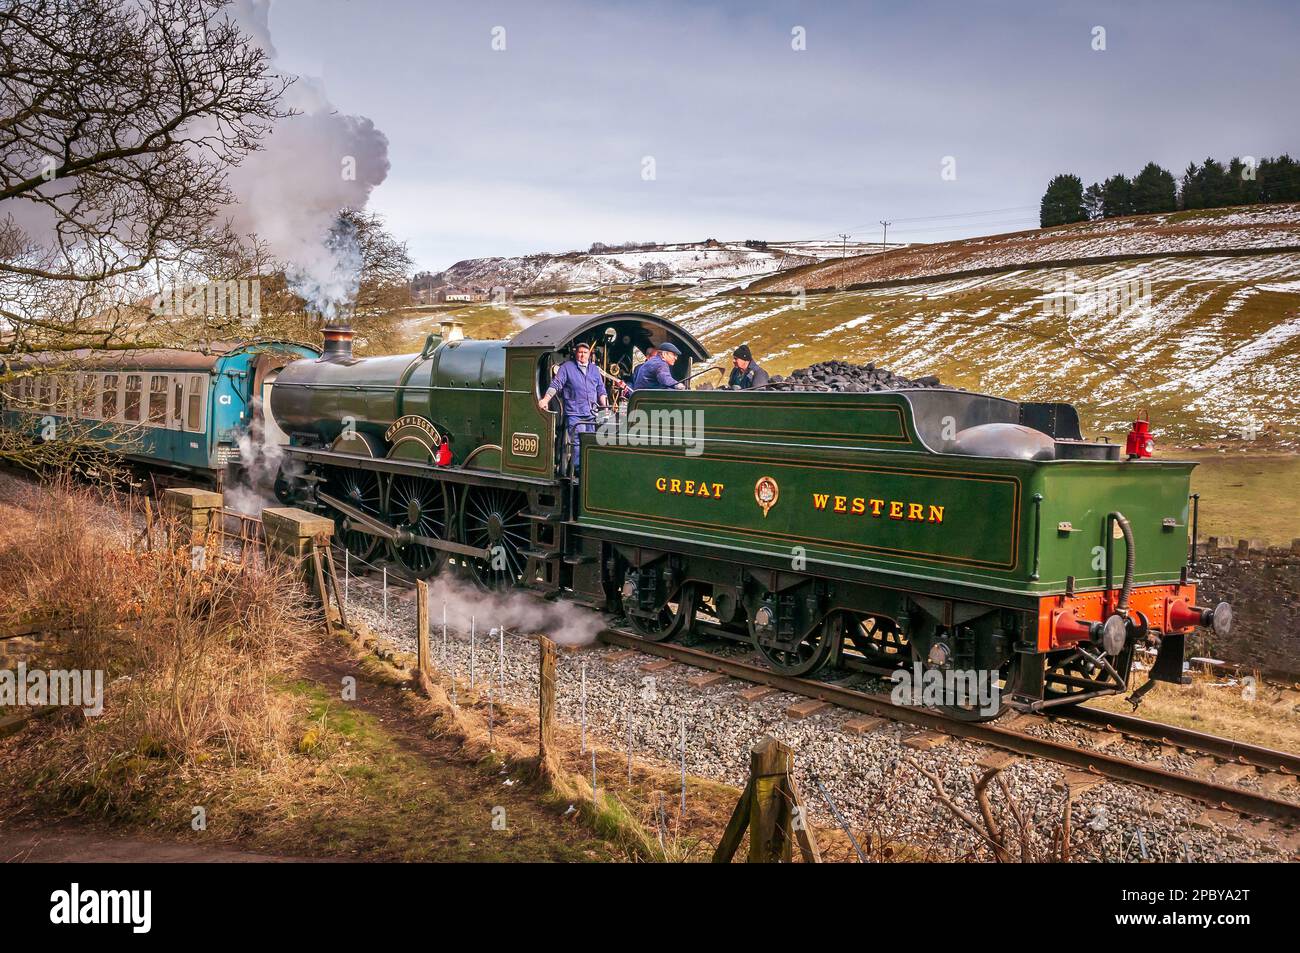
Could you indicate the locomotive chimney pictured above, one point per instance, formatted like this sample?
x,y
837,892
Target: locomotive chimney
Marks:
x,y
338,339
451,329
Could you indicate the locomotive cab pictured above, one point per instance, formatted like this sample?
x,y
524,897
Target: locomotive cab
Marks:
x,y
535,442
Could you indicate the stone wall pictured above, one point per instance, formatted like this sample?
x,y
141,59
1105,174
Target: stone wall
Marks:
x,y
1262,584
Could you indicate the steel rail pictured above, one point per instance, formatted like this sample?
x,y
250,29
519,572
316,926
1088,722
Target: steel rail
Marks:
x,y
1226,748
1119,769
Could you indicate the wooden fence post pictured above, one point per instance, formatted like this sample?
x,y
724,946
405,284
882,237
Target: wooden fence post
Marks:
x,y
422,627
546,698
771,809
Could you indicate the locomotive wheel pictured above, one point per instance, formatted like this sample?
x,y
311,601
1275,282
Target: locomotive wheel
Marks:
x,y
817,648
673,618
361,489
880,643
493,519
419,507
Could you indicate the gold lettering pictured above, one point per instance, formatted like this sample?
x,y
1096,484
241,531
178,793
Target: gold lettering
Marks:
x,y
675,486
875,507
859,506
936,513
717,490
690,487
839,504
915,511
895,510
703,490
819,500
661,484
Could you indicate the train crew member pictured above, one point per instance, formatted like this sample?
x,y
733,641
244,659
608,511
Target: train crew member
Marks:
x,y
656,373
581,390
745,372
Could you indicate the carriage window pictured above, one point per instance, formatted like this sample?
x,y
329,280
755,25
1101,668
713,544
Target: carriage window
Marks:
x,y
132,404
157,399
194,402
90,395
178,403
110,396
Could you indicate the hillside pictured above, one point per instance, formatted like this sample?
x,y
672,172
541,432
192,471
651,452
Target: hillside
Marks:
x,y
1251,226
716,265
1211,347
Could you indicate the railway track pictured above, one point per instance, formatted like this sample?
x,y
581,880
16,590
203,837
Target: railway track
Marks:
x,y
1117,768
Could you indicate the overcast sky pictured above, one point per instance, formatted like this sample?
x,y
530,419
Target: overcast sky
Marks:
x,y
542,146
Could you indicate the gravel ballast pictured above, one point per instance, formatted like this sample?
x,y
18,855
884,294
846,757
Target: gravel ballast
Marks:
x,y
867,776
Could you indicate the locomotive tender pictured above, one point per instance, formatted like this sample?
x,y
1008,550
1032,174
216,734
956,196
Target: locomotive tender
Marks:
x,y
940,528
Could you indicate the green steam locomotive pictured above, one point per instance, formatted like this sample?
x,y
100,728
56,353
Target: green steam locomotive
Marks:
x,y
929,529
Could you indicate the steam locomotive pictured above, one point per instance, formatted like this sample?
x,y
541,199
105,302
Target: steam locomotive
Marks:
x,y
938,529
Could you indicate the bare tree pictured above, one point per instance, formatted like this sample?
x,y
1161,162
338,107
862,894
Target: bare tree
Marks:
x,y
118,122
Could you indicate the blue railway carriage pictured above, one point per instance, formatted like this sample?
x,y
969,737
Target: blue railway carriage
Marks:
x,y
174,411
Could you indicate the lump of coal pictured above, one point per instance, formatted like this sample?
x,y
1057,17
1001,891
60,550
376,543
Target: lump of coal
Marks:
x,y
846,377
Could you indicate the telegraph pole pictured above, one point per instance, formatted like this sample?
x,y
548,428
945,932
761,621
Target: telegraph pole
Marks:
x,y
844,245
884,234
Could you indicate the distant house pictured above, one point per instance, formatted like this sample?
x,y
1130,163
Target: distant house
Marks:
x,y
458,296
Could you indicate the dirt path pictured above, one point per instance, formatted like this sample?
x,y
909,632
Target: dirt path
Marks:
x,y
69,843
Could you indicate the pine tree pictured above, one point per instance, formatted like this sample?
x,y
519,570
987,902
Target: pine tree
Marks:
x,y
1062,202
1216,187
1154,190
1093,201
1191,197
1117,196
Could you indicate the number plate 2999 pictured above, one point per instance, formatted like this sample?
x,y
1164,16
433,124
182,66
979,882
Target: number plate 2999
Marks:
x,y
524,444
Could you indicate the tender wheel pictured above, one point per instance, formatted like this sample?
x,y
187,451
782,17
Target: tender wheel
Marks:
x,y
810,655
418,507
493,519
878,641
672,619
361,489
975,705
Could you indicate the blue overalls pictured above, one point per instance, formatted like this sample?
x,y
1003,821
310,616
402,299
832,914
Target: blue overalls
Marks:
x,y
654,374
579,391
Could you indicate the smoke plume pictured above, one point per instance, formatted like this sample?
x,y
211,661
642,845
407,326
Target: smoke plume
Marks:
x,y
311,166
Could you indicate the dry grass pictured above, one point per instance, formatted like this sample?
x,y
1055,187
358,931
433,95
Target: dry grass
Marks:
x,y
1215,706
190,655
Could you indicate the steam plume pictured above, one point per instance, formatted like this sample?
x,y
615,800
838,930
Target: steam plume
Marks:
x,y
310,167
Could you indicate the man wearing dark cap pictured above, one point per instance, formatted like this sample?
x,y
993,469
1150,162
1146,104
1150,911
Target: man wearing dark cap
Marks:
x,y
745,373
581,391
657,373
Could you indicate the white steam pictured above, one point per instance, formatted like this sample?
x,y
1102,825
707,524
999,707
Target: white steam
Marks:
x,y
260,460
310,167
519,612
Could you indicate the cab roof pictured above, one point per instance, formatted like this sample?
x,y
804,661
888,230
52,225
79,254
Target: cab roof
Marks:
x,y
556,332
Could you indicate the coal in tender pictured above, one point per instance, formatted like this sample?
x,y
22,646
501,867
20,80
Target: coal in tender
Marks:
x,y
847,378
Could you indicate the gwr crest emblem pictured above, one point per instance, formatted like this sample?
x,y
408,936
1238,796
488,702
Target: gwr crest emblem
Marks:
x,y
766,493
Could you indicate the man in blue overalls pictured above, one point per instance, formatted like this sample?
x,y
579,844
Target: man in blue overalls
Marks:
x,y
656,373
581,390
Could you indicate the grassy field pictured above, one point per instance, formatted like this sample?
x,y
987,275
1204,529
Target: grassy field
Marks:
x,y
1247,495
